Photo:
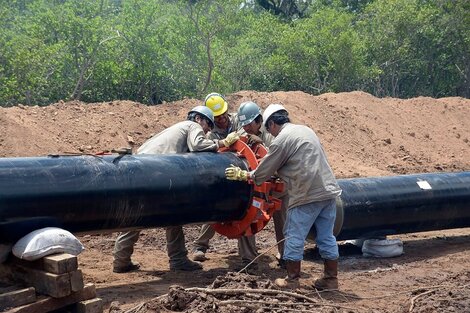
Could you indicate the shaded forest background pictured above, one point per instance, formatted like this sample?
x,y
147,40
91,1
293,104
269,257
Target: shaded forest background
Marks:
x,y
154,51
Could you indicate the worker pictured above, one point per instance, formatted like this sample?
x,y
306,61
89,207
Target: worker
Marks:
x,y
225,123
297,156
251,119
185,136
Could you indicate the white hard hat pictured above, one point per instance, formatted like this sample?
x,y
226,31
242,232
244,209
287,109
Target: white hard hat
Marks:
x,y
270,110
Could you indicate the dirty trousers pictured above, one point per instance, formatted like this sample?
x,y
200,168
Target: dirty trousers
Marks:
x,y
279,219
175,243
246,245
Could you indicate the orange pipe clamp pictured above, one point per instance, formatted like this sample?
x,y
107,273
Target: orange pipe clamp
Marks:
x,y
263,203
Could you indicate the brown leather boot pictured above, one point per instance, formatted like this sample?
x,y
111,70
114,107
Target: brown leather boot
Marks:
x,y
330,276
291,281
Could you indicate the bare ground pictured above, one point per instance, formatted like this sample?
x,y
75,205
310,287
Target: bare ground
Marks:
x,y
363,136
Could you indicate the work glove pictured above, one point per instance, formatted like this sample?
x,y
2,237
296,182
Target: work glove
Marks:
x,y
235,173
253,139
230,139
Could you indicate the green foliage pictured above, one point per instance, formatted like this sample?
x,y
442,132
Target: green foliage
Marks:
x,y
161,50
413,45
323,53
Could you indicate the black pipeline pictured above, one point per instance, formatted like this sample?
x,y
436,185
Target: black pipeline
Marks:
x,y
97,194
374,207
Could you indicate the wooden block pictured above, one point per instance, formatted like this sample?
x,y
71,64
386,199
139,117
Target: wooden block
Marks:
x,y
76,280
47,304
17,297
45,283
60,263
56,263
89,306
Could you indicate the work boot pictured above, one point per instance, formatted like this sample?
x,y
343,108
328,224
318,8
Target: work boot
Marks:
x,y
199,255
291,281
186,265
132,266
329,281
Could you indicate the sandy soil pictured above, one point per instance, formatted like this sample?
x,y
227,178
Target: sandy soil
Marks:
x,y
363,136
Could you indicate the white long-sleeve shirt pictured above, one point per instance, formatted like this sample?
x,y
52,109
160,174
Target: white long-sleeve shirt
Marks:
x,y
186,136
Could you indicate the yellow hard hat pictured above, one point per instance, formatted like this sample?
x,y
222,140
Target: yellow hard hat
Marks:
x,y
217,103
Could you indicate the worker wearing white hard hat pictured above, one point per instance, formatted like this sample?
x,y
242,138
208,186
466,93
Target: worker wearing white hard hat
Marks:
x,y
297,156
185,136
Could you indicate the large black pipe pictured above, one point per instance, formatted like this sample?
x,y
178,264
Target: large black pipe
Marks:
x,y
108,193
379,206
101,194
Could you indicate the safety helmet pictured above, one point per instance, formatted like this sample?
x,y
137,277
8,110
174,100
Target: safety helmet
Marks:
x,y
247,112
217,103
270,110
204,111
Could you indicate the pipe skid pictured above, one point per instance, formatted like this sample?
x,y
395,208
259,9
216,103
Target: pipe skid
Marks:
x,y
96,194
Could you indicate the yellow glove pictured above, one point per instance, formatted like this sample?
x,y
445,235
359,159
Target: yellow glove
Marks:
x,y
230,139
235,173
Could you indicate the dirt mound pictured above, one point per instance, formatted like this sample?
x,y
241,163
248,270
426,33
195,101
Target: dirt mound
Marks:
x,y
363,136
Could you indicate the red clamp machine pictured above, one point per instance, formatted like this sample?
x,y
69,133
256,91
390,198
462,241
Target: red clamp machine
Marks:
x,y
264,201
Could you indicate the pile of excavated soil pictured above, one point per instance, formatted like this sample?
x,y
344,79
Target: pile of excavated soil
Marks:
x,y
362,135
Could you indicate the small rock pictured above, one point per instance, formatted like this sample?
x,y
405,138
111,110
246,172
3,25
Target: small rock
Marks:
x,y
114,307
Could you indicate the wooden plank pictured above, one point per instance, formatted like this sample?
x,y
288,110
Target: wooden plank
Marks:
x,y
89,306
47,304
60,263
76,280
6,273
17,297
45,283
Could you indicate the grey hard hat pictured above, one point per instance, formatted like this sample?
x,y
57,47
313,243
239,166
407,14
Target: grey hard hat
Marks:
x,y
205,111
247,112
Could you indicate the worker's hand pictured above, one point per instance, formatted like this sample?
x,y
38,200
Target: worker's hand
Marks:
x,y
230,139
235,173
253,139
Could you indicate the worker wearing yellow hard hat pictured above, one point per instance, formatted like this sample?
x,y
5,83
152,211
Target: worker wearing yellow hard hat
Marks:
x,y
226,125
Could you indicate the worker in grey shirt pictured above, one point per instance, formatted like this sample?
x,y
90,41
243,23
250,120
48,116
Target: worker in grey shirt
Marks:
x,y
225,123
186,136
299,159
